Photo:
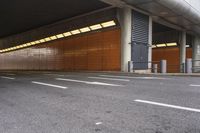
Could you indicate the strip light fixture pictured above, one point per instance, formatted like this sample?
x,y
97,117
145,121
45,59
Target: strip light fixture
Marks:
x,y
165,45
62,35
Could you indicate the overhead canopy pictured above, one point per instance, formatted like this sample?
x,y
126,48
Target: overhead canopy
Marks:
x,y
22,15
180,13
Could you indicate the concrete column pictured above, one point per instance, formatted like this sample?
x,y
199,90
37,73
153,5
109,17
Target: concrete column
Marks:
x,y
182,51
125,18
150,41
196,53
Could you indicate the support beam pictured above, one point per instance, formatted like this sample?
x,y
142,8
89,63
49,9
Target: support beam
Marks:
x,y
150,42
196,54
182,51
125,18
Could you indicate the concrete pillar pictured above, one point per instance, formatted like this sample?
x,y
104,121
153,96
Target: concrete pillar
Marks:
x,y
125,18
196,53
182,51
150,42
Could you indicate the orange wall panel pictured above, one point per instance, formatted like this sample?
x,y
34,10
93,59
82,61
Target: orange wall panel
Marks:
x,y
93,51
172,55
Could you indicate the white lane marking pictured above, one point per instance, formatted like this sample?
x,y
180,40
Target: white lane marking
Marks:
x,y
114,79
51,85
98,123
87,82
4,77
113,76
168,105
54,75
193,85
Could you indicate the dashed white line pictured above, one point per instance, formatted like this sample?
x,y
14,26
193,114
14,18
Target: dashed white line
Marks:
x,y
98,123
114,79
4,77
128,77
168,105
87,82
51,85
193,85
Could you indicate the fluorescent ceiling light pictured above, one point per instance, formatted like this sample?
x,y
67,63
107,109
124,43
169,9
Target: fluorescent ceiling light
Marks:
x,y
60,36
86,29
37,42
66,34
74,32
108,24
24,45
47,39
28,44
187,46
32,43
53,37
20,46
96,27
153,46
17,47
171,44
161,45
42,40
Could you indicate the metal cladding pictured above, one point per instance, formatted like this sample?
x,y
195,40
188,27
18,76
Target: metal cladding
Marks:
x,y
95,51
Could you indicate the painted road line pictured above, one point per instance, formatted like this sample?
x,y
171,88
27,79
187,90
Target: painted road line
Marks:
x,y
193,85
128,77
51,85
98,123
4,77
87,82
169,106
114,79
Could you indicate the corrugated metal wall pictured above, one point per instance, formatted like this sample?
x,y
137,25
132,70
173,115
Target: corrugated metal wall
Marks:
x,y
99,51
140,37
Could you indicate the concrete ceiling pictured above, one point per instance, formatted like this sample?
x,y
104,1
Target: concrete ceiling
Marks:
x,y
18,16
174,13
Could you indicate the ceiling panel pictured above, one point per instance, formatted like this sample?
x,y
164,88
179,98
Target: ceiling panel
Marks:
x,y
179,20
156,9
21,15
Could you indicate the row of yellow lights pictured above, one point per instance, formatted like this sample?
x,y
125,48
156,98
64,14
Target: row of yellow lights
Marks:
x,y
164,45
62,35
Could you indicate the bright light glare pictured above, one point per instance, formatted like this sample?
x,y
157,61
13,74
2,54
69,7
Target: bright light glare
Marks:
x,y
96,27
108,24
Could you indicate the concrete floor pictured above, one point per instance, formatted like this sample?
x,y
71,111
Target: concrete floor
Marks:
x,y
58,102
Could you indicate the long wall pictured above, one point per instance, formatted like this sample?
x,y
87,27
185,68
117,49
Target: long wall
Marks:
x,y
172,56
99,51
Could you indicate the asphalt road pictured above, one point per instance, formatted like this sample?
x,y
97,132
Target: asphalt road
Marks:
x,y
61,102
